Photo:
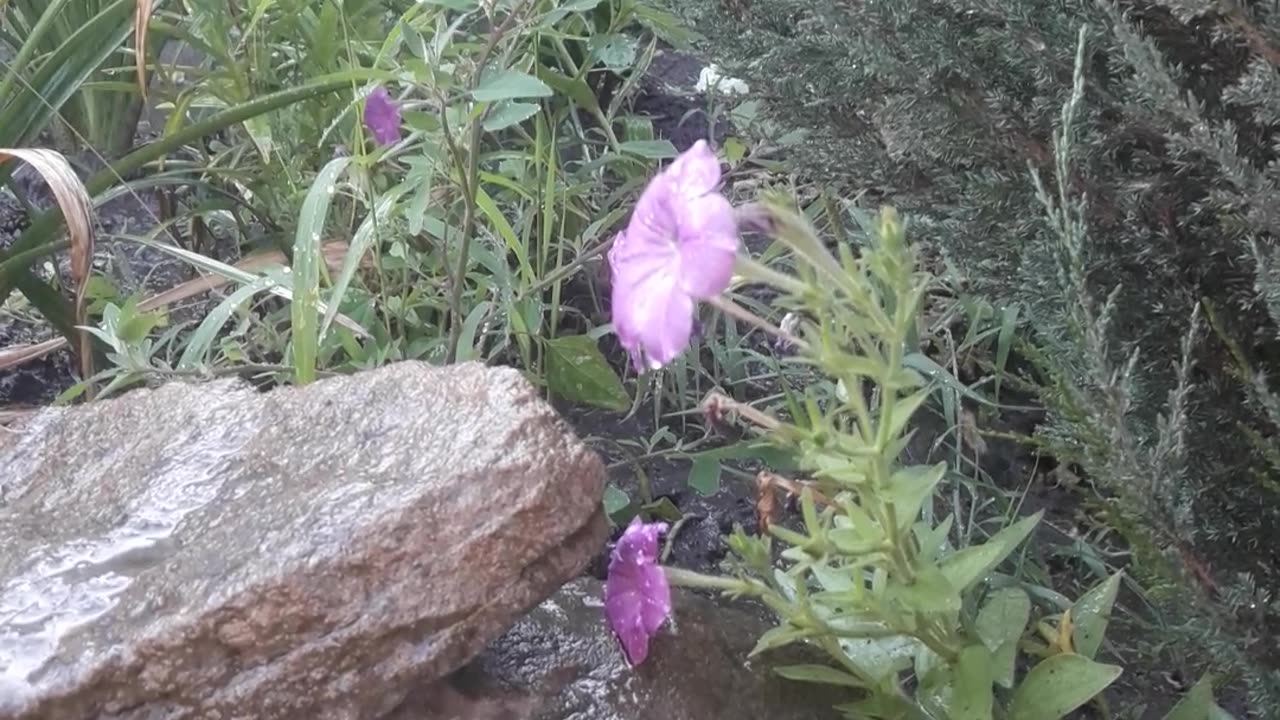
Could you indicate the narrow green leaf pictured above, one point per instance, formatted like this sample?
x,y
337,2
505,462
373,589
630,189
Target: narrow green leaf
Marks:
x,y
508,113
651,149
577,371
1197,704
975,562
971,696
1000,624
307,258
470,326
1059,684
510,84
910,487
197,348
1091,613
819,674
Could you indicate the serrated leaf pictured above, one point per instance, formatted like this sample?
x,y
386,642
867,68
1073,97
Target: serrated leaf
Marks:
x,y
508,113
615,51
1058,685
819,674
975,562
704,475
651,149
578,371
1091,613
510,84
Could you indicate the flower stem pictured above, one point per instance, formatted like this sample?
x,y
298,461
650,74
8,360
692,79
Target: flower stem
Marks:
x,y
732,309
690,579
759,272
471,183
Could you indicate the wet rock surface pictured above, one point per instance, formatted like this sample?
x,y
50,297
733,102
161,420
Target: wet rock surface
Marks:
x,y
561,663
210,551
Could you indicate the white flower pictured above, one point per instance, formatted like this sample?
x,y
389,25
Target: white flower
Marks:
x,y
710,80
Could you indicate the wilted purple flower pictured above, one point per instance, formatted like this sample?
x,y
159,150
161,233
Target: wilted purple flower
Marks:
x,y
637,598
679,247
382,116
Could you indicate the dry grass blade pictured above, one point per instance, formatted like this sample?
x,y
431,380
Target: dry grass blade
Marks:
x,y
141,22
16,355
335,254
77,210
10,416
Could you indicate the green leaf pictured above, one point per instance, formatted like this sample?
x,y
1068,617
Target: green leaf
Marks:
x,y
614,51
1058,685
819,674
651,149
508,113
777,637
577,371
1091,613
576,89
1000,624
510,84
1197,703
930,593
663,509
975,562
971,697
882,656
910,487
307,258
615,501
704,476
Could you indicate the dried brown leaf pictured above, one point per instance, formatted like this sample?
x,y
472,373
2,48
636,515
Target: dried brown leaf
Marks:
x,y
970,433
77,210
16,355
141,23
766,502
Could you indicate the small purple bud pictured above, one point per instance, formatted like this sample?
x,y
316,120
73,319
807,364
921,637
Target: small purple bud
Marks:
x,y
382,117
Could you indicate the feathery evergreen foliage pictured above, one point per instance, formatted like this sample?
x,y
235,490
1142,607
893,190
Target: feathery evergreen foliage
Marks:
x,y
1143,252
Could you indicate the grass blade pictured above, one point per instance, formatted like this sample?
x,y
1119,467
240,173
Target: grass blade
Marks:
x,y
364,237
306,269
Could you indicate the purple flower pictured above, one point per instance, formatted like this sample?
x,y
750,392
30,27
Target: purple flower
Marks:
x,y
382,116
678,248
637,599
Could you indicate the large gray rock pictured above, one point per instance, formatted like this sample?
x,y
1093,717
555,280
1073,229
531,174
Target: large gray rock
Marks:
x,y
207,551
560,662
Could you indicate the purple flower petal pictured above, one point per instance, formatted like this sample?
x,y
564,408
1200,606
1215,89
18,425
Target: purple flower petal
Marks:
x,y
637,596
695,172
679,247
382,117
708,247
